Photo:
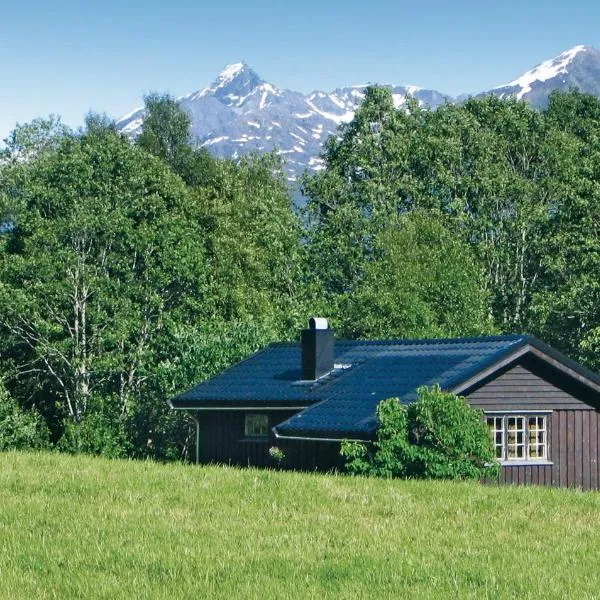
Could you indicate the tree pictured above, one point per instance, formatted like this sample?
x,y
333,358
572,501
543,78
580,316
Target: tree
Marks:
x,y
519,186
565,305
20,429
437,437
363,185
29,141
424,282
106,257
165,130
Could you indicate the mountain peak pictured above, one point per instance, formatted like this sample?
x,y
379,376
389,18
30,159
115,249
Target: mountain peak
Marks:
x,y
231,71
232,80
544,71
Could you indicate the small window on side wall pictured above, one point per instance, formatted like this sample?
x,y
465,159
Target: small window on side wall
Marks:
x,y
521,438
256,426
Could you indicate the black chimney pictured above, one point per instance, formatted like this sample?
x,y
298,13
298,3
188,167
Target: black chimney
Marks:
x,y
317,349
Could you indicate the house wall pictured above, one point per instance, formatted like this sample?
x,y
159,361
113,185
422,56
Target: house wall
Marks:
x,y
222,440
574,423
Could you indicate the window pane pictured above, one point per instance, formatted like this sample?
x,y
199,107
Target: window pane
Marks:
x,y
257,425
496,427
515,443
537,441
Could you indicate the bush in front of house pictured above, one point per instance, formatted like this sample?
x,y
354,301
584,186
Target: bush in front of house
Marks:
x,y
437,437
20,429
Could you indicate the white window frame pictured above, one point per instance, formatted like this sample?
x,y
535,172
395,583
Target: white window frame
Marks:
x,y
500,422
249,430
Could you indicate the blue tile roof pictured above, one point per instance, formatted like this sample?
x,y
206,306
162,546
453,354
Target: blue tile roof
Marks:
x,y
343,403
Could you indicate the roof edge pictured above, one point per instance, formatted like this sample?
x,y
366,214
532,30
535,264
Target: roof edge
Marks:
x,y
541,350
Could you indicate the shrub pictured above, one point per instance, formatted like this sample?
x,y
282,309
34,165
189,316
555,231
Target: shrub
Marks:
x,y
277,455
21,429
97,434
437,437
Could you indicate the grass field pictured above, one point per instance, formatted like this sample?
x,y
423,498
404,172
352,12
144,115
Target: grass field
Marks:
x,y
77,527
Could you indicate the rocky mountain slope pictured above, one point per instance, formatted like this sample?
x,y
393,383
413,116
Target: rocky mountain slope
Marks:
x,y
240,112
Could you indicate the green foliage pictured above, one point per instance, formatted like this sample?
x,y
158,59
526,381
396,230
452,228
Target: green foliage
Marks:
x,y
565,305
103,261
437,437
29,141
277,455
517,185
424,282
165,130
122,284
97,433
20,429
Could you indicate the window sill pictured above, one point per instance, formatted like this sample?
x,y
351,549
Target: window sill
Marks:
x,y
525,463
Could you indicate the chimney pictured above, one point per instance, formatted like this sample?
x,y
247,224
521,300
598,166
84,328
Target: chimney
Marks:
x,y
317,349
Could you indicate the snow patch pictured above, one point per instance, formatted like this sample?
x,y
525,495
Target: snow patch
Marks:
x,y
316,164
133,126
215,140
230,71
544,71
412,89
336,101
297,137
345,118
399,100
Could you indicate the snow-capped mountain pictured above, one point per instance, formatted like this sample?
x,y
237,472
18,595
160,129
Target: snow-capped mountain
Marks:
x,y
239,113
578,67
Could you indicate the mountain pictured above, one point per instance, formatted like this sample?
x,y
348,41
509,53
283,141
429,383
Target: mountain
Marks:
x,y
578,67
240,112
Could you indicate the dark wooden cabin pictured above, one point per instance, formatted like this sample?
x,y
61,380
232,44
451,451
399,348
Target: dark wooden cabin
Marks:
x,y
542,408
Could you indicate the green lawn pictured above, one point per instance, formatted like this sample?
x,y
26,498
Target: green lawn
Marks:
x,y
77,527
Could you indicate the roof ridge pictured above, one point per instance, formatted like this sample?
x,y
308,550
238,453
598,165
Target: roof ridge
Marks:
x,y
414,341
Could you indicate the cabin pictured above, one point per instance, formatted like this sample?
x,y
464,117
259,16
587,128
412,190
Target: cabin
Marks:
x,y
541,407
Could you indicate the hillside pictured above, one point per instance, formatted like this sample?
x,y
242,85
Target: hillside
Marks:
x,y
75,527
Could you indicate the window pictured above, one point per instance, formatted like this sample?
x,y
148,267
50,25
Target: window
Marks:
x,y
519,437
256,426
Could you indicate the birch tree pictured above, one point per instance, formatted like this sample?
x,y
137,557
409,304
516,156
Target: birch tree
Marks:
x,y
105,254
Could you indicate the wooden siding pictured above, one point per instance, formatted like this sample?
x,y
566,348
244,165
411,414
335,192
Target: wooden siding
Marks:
x,y
222,440
573,451
527,386
573,423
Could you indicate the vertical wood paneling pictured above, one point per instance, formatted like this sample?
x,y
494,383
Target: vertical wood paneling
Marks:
x,y
570,446
562,448
577,449
554,448
585,454
574,445
594,450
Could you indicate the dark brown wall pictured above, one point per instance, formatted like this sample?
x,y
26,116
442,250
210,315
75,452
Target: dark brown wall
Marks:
x,y
528,386
574,423
222,440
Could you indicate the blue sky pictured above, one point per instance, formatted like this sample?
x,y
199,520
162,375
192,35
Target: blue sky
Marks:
x,y
67,57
